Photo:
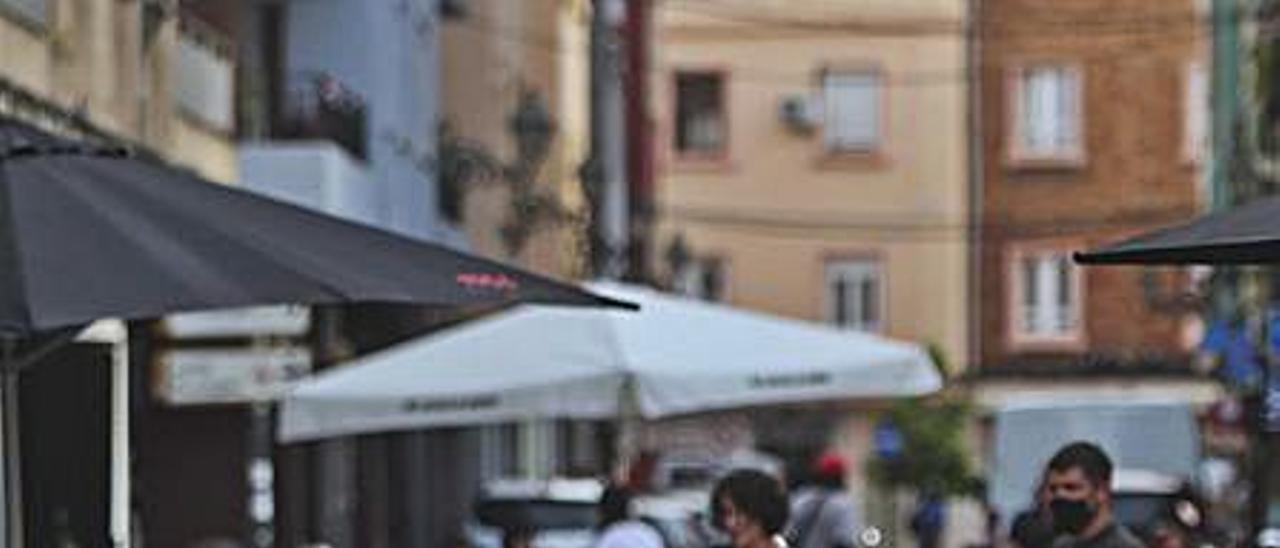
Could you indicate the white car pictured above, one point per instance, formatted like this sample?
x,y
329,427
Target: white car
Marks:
x,y
561,512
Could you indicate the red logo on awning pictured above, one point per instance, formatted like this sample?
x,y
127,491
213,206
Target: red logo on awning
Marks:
x,y
491,282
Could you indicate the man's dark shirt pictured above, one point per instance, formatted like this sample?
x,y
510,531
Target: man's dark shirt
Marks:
x,y
1113,536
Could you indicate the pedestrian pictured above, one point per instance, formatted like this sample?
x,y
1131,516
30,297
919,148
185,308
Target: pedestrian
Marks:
x,y
928,520
617,528
824,514
1078,486
751,507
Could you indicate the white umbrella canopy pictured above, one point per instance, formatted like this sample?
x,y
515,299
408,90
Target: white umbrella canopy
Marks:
x,y
678,355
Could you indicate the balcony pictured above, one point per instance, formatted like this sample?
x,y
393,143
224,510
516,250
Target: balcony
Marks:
x,y
316,174
316,106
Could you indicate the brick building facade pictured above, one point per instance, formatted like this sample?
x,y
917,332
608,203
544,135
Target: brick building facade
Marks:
x,y
1093,122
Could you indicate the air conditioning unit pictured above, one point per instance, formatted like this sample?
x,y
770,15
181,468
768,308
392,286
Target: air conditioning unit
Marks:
x,y
801,113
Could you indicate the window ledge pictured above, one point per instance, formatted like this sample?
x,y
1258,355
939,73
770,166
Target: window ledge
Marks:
x,y
702,163
1068,342
1046,163
874,159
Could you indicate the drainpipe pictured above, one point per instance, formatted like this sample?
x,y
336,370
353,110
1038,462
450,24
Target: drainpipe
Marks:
x,y
1225,96
973,70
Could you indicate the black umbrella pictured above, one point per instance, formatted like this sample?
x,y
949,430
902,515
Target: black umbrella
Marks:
x,y
89,232
1249,234
1246,235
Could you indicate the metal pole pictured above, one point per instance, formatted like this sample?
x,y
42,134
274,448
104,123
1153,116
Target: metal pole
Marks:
x,y
627,433
12,449
120,453
1261,460
609,141
1255,297
116,334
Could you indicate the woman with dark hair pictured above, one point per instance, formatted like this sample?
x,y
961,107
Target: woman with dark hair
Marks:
x,y
751,507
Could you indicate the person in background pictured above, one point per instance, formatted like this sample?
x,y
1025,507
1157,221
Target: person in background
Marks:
x,y
824,514
751,508
1078,485
928,520
617,528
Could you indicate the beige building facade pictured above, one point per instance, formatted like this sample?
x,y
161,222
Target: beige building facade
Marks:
x,y
491,54
815,156
143,71
813,162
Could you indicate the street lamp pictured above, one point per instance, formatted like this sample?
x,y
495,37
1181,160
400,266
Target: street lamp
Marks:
x,y
532,126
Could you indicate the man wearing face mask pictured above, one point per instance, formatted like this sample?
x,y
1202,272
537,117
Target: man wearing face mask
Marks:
x,y
1078,486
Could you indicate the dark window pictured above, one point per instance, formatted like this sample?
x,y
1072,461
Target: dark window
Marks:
x,y
700,118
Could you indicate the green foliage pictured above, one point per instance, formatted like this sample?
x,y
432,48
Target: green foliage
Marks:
x,y
934,457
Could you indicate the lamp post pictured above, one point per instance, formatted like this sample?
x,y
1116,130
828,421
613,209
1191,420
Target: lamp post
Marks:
x,y
532,127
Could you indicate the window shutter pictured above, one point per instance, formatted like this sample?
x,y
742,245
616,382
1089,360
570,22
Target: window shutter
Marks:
x,y
853,111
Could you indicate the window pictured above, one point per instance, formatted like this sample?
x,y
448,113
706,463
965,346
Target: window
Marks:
x,y
851,103
204,79
1048,112
1196,122
1047,300
702,278
700,113
854,294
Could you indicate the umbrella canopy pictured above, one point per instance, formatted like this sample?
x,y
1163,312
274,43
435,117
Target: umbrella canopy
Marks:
x,y
1249,234
678,355
88,232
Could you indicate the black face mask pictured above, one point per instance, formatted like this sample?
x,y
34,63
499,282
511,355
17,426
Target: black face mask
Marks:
x,y
1071,516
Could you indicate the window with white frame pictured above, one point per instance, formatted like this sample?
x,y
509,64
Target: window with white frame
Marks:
x,y
1048,112
204,83
851,105
1048,306
855,294
1196,121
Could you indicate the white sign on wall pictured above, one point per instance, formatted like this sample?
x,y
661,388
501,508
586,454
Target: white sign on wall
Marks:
x,y
232,375
278,320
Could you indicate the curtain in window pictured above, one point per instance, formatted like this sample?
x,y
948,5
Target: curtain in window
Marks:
x,y
1049,110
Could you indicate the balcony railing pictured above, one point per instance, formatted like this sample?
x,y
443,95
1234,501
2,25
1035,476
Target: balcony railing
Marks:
x,y
318,106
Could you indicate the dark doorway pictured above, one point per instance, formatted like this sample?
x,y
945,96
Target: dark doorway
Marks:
x,y
65,439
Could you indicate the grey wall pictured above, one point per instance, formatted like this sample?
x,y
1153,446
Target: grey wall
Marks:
x,y
388,52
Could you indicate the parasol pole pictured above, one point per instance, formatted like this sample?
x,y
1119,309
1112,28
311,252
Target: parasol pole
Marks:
x,y
114,333
12,450
627,440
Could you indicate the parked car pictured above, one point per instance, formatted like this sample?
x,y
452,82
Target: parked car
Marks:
x,y
1152,504
561,512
